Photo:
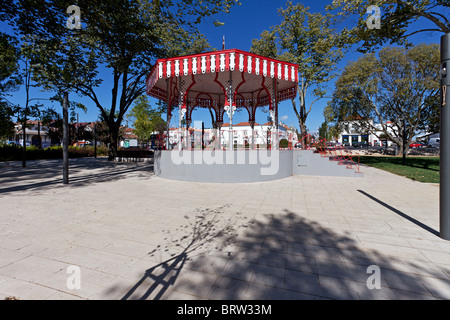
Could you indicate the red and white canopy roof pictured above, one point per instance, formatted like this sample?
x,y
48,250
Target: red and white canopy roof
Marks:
x,y
203,80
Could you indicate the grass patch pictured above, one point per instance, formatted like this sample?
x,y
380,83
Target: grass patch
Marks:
x,y
423,169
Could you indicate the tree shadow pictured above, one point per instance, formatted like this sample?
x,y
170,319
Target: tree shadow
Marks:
x,y
162,275
430,164
204,230
424,163
44,174
284,256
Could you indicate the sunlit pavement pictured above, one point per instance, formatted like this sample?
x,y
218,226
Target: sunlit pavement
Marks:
x,y
119,232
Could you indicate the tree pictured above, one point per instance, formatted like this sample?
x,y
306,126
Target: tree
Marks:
x,y
395,18
266,45
398,19
123,36
54,122
29,109
323,130
309,40
390,93
9,81
147,120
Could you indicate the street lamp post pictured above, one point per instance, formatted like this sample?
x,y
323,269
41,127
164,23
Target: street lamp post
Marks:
x,y
444,190
65,138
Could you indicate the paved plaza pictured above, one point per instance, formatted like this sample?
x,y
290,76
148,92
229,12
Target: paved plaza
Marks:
x,y
119,232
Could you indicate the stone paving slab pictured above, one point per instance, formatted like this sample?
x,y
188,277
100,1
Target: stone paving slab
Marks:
x,y
133,235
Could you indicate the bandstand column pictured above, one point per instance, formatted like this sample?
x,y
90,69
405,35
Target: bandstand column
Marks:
x,y
230,110
275,142
187,135
181,113
218,139
252,121
169,114
252,124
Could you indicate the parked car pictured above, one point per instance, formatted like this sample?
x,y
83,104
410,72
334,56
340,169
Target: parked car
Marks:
x,y
360,144
434,142
417,144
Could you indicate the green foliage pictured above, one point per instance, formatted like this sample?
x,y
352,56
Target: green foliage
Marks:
x,y
15,153
266,45
134,153
397,17
8,82
394,89
6,123
309,40
9,63
126,37
146,120
10,152
323,130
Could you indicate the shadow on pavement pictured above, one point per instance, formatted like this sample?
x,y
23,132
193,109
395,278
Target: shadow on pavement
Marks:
x,y
41,174
285,256
401,214
208,229
160,277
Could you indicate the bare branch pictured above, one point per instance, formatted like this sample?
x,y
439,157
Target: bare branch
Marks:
x,y
443,28
423,30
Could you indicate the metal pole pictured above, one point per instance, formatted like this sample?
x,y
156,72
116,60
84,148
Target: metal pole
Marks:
x,y
444,190
252,124
180,138
65,139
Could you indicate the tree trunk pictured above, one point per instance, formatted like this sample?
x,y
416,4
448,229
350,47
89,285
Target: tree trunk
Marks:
x,y
113,140
404,151
301,117
24,148
303,133
400,149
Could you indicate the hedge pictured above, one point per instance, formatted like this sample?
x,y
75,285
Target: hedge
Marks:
x,y
12,153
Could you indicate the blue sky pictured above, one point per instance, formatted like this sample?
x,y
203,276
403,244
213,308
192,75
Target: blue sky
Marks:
x,y
246,22
243,24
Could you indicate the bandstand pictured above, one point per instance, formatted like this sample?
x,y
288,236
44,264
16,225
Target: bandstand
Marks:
x,y
223,81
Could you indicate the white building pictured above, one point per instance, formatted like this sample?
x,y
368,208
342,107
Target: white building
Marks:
x,y
352,135
129,139
33,132
243,135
